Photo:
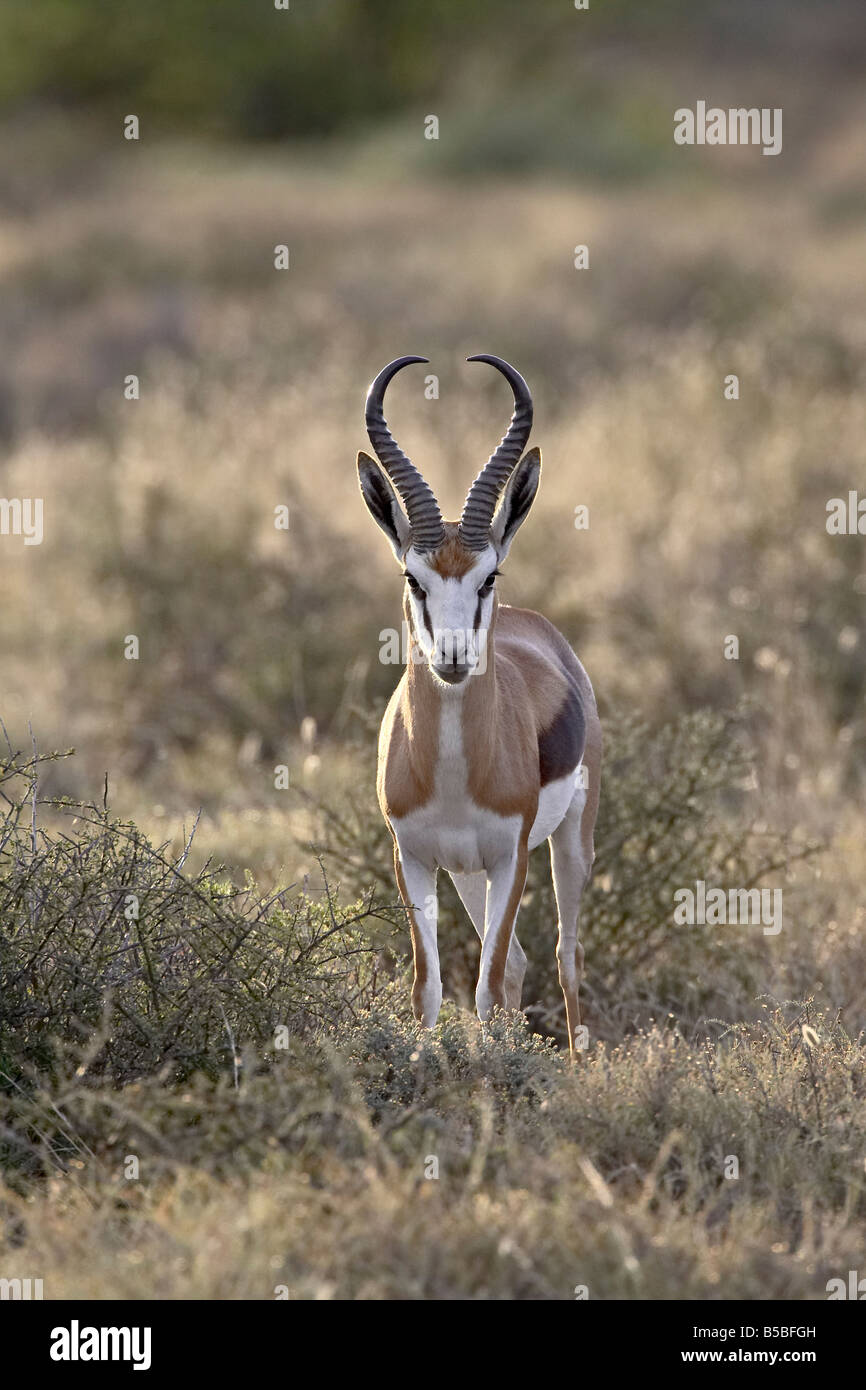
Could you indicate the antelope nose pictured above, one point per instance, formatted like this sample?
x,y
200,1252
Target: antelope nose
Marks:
x,y
452,672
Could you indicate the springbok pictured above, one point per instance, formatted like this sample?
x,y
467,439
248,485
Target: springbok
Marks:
x,y
491,742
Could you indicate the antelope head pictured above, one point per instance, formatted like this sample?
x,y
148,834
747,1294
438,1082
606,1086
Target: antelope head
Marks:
x,y
450,568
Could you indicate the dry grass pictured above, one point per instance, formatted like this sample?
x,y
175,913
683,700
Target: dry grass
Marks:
x,y
317,1180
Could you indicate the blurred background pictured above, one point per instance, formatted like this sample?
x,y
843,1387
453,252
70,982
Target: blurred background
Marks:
x,y
306,127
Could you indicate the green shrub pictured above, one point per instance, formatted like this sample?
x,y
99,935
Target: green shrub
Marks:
x,y
117,964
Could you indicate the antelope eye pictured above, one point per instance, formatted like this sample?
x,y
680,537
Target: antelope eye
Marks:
x,y
488,583
413,583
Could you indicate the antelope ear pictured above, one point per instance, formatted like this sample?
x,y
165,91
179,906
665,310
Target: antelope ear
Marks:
x,y
384,505
518,497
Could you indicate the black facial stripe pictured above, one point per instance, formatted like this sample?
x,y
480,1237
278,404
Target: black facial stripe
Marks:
x,y
477,622
426,616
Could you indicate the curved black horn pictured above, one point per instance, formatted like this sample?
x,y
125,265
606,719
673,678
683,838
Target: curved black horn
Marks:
x,y
422,509
485,492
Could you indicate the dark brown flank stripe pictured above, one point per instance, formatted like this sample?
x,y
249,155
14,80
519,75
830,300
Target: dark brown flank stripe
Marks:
x,y
561,744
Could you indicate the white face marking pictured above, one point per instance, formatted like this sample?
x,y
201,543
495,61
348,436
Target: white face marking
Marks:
x,y
452,616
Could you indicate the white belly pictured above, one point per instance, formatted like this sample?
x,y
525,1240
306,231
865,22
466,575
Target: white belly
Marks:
x,y
451,832
462,840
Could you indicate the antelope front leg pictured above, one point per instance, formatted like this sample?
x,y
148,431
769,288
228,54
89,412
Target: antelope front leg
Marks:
x,y
417,886
505,884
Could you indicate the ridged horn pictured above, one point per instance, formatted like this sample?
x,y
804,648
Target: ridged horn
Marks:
x,y
422,509
485,492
